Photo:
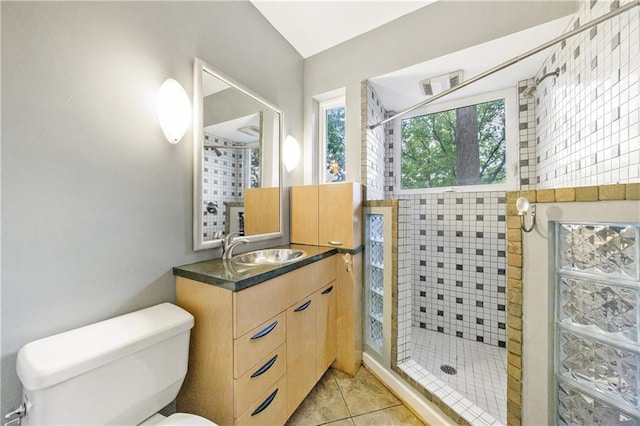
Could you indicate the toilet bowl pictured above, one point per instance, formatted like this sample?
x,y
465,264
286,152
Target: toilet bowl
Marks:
x,y
178,419
119,371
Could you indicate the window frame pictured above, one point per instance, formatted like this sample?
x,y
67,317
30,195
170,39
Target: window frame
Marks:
x,y
323,107
511,136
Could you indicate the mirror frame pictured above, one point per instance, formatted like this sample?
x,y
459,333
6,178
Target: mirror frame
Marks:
x,y
199,66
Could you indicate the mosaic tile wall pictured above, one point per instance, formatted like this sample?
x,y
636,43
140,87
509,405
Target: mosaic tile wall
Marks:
x,y
473,319
223,182
527,134
587,118
405,279
373,150
460,267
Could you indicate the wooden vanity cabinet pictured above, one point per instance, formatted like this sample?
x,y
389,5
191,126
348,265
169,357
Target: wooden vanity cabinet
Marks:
x,y
301,351
326,328
349,313
311,347
253,354
327,215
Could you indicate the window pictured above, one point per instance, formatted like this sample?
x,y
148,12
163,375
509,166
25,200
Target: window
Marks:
x,y
332,140
464,143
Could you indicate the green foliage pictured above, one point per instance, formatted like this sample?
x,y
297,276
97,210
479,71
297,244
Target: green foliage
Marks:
x,y
255,168
336,143
429,151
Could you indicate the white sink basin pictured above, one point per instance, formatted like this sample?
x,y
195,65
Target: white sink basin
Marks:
x,y
269,257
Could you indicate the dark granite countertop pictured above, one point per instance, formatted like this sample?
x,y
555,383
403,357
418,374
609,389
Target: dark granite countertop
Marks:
x,y
236,277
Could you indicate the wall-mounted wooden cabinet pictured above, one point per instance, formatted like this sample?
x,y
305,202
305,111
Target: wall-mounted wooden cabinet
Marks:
x,y
261,210
327,215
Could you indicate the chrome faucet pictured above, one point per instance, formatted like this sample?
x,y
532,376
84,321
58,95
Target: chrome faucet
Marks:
x,y
229,243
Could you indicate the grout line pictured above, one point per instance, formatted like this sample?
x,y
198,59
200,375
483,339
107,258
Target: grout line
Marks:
x,y
341,394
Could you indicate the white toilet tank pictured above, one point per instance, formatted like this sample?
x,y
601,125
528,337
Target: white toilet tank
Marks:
x,y
119,371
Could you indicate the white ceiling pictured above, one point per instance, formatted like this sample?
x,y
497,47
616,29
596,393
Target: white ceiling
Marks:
x,y
316,25
400,89
312,26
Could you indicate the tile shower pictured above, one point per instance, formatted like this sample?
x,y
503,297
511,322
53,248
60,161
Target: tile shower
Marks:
x,y
223,183
581,128
452,278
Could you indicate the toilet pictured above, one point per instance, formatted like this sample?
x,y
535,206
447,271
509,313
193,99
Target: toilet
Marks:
x,y
121,371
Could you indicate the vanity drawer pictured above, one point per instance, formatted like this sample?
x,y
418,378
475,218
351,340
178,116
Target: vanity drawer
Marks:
x,y
257,343
259,379
269,409
257,304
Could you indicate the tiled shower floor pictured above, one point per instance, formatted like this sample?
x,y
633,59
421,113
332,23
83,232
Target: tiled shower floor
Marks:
x,y
481,369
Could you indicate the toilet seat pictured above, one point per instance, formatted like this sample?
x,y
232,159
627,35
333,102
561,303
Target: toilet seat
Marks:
x,y
184,419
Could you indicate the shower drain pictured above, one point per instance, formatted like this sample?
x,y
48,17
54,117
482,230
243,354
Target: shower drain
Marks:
x,y
448,369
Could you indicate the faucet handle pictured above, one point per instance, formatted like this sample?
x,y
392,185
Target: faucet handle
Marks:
x,y
231,236
226,241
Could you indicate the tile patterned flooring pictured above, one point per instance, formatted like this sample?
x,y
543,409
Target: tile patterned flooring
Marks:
x,y
481,369
341,400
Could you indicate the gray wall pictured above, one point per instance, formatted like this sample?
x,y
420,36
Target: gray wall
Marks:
x,y
96,204
433,31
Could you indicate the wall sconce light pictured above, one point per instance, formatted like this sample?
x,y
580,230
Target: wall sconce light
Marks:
x,y
523,206
174,110
290,153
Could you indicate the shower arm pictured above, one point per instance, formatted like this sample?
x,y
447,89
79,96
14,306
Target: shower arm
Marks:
x,y
511,61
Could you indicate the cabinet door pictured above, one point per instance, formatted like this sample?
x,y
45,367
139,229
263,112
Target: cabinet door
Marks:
x,y
261,210
304,214
340,215
301,351
326,328
349,302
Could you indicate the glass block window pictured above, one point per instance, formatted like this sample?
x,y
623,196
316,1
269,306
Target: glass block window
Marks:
x,y
578,408
597,335
374,278
599,249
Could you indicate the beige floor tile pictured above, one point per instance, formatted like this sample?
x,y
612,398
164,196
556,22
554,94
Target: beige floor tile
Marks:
x,y
343,422
363,392
323,404
398,415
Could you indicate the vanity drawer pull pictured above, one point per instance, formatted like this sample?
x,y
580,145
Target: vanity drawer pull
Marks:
x,y
327,291
265,404
335,243
264,332
265,367
302,307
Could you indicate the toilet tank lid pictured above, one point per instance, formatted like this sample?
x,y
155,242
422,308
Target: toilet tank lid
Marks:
x,y
51,360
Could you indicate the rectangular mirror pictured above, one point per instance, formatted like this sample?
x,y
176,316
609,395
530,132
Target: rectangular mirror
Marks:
x,y
237,138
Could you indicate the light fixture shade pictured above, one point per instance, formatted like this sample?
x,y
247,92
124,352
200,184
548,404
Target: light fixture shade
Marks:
x,y
174,110
291,153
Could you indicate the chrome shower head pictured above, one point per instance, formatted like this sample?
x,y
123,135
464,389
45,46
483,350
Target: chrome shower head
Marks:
x,y
214,149
530,91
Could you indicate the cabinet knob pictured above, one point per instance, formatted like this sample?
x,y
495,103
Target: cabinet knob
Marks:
x,y
266,403
302,307
335,243
327,291
265,367
265,331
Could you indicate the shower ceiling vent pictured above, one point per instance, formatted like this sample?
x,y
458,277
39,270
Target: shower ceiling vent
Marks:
x,y
435,85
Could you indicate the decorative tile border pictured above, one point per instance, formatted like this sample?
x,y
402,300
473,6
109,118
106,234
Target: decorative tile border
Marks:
x,y
630,191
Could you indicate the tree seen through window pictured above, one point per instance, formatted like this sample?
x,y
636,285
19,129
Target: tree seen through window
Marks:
x,y
463,146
